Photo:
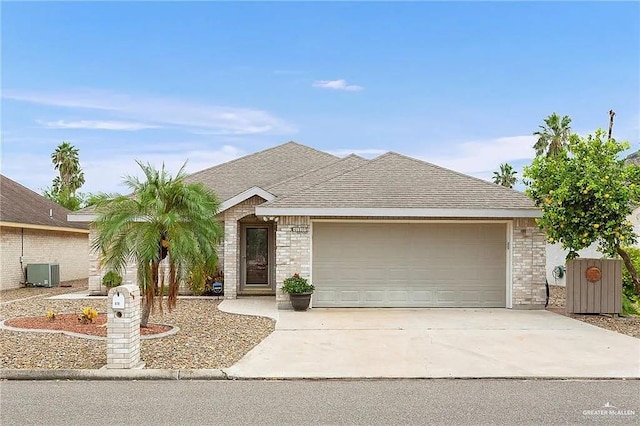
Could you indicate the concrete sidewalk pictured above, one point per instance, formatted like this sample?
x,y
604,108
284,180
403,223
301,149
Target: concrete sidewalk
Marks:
x,y
438,343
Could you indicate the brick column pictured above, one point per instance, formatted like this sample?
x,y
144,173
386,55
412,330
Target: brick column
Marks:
x,y
231,255
123,327
528,265
293,253
95,274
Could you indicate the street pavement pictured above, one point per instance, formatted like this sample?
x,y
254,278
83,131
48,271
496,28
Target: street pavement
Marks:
x,y
372,402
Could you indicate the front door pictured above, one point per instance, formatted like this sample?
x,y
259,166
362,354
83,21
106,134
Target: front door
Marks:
x,y
257,258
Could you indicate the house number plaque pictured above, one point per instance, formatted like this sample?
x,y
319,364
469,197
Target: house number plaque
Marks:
x,y
593,274
301,229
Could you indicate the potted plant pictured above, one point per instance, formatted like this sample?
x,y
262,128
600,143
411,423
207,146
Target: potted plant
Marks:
x,y
299,291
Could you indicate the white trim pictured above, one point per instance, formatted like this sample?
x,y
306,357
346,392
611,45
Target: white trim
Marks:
x,y
243,196
397,212
75,217
44,227
362,220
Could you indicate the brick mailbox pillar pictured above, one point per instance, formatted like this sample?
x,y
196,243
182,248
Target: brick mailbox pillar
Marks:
x,y
123,327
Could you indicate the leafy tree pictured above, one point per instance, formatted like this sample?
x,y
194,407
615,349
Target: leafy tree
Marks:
x,y
586,194
506,176
164,218
553,135
70,178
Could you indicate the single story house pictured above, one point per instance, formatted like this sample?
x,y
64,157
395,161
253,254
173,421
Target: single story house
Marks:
x,y
34,229
393,231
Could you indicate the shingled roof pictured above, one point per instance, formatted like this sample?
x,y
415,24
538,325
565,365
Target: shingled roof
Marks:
x,y
315,176
394,181
633,158
299,180
21,206
262,169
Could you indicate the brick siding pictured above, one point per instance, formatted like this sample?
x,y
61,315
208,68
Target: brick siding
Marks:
x,y
231,255
69,249
528,265
293,254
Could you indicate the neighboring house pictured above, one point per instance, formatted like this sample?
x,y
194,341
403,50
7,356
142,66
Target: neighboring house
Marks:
x,y
556,255
34,229
393,231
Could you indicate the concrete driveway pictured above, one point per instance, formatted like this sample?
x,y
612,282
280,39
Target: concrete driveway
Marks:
x,y
429,343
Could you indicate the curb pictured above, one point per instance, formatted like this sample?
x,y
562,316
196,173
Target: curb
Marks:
x,y
218,374
114,374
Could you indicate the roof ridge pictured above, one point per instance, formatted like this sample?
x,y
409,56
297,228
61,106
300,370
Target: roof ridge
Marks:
x,y
352,155
310,171
257,153
453,171
329,178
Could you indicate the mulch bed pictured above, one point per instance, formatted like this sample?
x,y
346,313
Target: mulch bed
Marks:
x,y
70,322
625,325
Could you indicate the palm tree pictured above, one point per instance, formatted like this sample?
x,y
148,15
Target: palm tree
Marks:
x,y
65,159
554,135
164,218
506,176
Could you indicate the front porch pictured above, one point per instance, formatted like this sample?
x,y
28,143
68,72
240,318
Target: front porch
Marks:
x,y
259,253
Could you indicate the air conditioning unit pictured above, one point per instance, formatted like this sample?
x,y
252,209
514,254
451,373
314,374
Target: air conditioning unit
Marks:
x,y
43,274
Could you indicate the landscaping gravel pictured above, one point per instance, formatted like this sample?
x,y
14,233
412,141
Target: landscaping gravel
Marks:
x,y
625,325
208,338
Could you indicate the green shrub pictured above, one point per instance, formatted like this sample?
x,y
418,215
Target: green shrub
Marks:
x,y
296,284
111,279
630,304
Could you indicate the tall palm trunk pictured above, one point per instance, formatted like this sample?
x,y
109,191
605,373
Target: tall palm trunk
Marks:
x,y
149,295
611,114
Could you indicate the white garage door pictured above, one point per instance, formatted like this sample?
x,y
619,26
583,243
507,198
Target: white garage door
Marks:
x,y
409,265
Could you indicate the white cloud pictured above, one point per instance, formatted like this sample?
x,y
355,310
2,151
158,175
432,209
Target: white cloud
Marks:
x,y
162,111
97,125
481,157
337,85
104,173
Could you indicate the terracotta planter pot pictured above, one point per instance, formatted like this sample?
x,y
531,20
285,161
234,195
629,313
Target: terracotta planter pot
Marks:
x,y
300,301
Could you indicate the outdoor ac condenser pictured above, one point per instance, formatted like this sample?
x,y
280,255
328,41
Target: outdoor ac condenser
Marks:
x,y
43,274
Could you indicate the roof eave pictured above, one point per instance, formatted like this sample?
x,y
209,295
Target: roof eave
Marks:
x,y
237,199
243,196
398,212
43,227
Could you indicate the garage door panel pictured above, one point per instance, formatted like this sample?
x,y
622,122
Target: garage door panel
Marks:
x,y
423,296
397,295
406,298
412,265
374,296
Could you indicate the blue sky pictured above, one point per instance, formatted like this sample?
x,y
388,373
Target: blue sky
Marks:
x,y
462,85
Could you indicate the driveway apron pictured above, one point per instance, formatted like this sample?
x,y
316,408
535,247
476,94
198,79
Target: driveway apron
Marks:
x,y
437,343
